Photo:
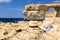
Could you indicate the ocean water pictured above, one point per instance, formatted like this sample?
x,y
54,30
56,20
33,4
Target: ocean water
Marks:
x,y
11,19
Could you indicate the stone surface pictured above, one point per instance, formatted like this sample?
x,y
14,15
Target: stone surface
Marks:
x,y
8,31
38,11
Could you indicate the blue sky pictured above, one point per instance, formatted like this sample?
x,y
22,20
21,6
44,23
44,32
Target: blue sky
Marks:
x,y
14,8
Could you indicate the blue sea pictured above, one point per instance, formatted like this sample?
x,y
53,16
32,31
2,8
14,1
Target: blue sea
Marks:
x,y
15,20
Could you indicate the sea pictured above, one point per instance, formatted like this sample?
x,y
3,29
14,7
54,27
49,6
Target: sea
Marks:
x,y
14,20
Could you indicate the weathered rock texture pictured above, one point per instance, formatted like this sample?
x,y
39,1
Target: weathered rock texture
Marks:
x,y
23,31
38,11
19,31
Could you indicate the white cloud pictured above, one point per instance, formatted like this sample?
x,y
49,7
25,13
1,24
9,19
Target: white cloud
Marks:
x,y
15,9
56,1
6,1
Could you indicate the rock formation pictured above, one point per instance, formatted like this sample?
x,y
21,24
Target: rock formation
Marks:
x,y
30,30
38,11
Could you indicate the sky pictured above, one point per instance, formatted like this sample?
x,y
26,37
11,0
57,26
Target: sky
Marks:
x,y
14,8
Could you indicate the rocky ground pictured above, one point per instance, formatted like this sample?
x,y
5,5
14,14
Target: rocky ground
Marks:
x,y
22,31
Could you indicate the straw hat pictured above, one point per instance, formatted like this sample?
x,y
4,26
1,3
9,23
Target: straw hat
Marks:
x,y
33,23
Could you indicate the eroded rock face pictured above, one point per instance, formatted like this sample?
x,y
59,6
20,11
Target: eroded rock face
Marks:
x,y
19,31
38,11
22,31
33,12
